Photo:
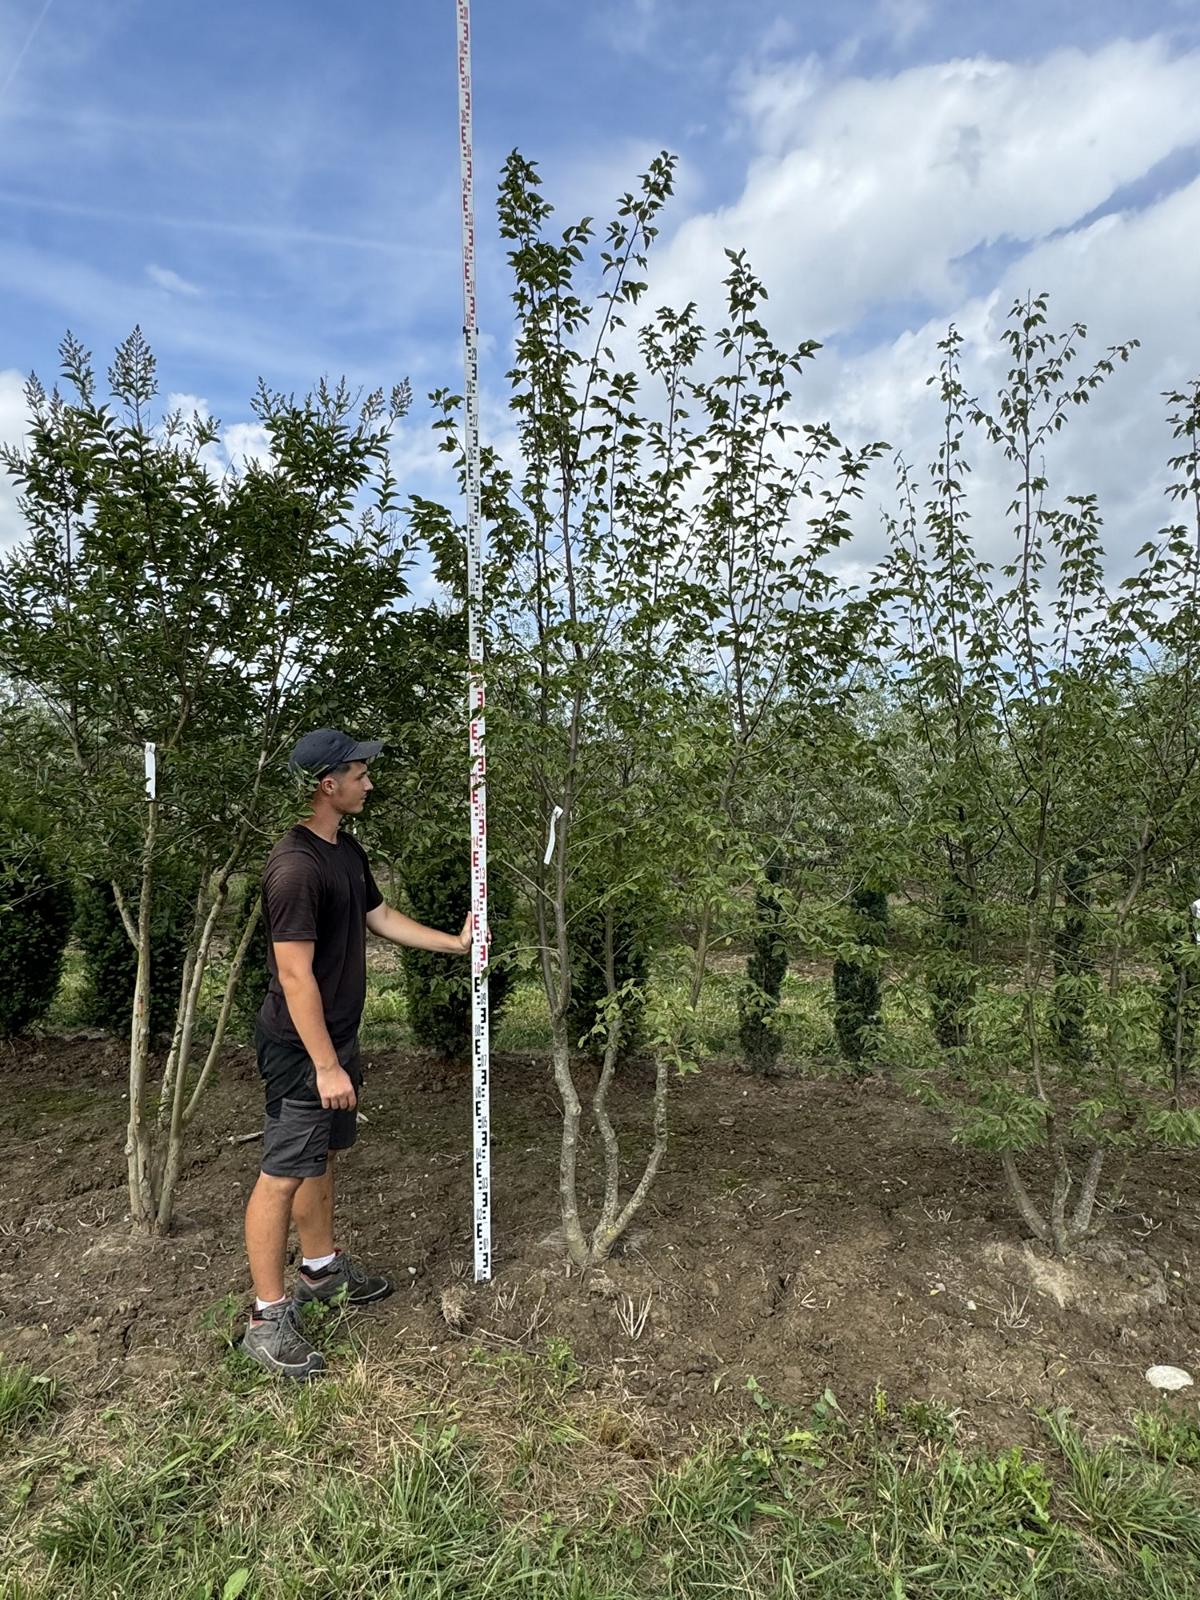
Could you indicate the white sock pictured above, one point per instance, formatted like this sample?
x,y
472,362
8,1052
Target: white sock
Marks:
x,y
261,1305
315,1263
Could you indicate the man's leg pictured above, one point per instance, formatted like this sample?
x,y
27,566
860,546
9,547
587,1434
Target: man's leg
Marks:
x,y
267,1217
273,1338
341,1278
312,1212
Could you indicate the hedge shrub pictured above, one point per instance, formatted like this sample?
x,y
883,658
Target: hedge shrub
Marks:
x,y
857,986
589,984
35,922
758,1001
437,988
110,961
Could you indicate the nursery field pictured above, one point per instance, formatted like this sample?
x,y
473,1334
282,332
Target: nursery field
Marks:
x,y
824,1360
842,936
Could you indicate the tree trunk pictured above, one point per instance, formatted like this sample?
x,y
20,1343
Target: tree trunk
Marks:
x,y
700,964
181,1114
138,1139
1081,1220
603,1241
1029,1213
1060,1233
612,1046
166,1088
231,988
568,1184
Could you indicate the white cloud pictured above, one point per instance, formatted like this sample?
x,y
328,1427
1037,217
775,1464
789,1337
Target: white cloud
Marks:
x,y
171,281
237,444
862,197
189,406
244,442
868,190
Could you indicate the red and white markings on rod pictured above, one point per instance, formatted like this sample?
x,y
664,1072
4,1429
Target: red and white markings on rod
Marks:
x,y
480,1040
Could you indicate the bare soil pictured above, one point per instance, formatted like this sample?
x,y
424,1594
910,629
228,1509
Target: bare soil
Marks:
x,y
805,1233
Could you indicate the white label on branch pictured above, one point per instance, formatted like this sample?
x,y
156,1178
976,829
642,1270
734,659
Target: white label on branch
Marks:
x,y
151,772
553,838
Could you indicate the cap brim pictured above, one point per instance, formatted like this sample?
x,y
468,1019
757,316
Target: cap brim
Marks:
x,y
367,750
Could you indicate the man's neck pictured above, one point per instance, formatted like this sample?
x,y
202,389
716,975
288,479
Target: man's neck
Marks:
x,y
324,822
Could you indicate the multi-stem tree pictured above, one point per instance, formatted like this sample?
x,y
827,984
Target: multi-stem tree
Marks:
x,y
157,601
657,572
1032,687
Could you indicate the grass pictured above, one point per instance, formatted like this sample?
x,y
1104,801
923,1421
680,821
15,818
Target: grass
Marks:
x,y
370,1485
25,1398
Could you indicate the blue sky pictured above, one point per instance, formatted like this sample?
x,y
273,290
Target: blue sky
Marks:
x,y
271,189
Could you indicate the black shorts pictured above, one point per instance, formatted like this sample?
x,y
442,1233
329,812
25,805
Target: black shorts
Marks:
x,y
298,1132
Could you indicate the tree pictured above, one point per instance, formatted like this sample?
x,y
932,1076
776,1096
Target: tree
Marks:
x,y
783,639
157,601
651,581
1042,743
577,690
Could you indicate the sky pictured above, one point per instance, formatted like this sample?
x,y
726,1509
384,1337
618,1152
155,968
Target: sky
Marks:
x,y
272,191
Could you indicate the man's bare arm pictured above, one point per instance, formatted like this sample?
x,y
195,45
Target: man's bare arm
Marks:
x,y
293,959
388,923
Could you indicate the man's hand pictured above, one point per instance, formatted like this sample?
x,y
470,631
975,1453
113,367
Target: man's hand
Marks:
x,y
464,937
336,1089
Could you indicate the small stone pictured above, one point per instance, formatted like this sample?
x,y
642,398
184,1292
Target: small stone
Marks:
x,y
1169,1378
412,1272
971,1305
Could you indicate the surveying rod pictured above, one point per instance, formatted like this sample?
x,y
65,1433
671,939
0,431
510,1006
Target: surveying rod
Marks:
x,y
480,1041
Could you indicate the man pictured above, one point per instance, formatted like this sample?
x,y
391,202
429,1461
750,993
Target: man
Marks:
x,y
319,899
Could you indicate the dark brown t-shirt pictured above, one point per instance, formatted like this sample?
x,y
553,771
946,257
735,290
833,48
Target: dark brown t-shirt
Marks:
x,y
314,890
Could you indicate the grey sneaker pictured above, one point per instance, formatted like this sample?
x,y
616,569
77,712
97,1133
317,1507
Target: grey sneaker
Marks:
x,y
361,1288
274,1340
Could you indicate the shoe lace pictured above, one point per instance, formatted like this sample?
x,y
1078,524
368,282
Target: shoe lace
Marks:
x,y
291,1338
354,1272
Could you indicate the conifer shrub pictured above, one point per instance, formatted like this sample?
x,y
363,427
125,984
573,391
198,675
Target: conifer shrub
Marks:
x,y
758,1003
1072,963
35,922
252,985
950,979
857,987
437,988
110,960
589,980
1179,1015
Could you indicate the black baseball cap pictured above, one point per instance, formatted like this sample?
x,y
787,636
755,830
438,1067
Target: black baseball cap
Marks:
x,y
319,752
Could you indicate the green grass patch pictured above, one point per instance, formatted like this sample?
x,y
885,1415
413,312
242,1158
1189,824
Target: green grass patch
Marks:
x,y
363,1486
67,1011
26,1398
